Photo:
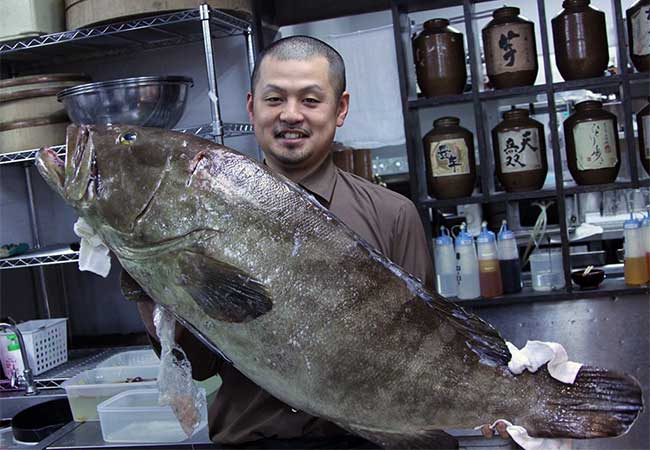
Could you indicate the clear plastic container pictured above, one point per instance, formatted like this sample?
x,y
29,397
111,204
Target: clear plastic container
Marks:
x,y
135,417
645,233
546,270
467,266
129,358
445,258
88,389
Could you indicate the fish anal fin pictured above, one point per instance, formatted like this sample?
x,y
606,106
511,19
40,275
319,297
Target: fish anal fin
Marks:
x,y
222,291
425,439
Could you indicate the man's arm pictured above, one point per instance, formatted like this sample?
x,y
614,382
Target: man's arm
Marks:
x,y
409,248
205,363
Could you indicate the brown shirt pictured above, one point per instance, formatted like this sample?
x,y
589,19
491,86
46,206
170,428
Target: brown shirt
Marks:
x,y
244,412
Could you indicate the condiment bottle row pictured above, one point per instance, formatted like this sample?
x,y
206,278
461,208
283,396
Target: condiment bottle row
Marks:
x,y
579,38
486,268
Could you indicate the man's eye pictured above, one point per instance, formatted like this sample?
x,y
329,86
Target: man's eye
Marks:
x,y
312,100
273,99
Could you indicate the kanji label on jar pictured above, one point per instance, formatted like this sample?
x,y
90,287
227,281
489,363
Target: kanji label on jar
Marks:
x,y
511,48
595,144
641,32
449,157
519,150
646,135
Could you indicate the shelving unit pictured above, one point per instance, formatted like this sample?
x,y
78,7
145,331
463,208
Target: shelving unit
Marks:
x,y
621,83
32,55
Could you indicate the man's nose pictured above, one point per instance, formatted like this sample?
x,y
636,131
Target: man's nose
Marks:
x,y
291,112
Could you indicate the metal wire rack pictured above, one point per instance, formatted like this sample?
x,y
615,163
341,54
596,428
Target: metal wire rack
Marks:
x,y
41,257
204,131
118,38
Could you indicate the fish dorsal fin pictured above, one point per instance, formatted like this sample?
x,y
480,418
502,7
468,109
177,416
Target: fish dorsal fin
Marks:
x,y
426,439
480,336
222,291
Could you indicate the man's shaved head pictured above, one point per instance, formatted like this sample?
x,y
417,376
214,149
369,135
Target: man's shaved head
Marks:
x,y
303,48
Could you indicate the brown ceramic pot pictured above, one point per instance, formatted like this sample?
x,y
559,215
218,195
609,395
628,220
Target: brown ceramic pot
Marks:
x,y
580,40
449,155
638,33
643,127
440,59
363,163
520,152
592,149
510,49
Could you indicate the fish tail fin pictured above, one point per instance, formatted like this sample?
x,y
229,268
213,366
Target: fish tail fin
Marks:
x,y
600,403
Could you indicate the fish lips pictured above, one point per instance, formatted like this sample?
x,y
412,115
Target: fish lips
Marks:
x,y
72,178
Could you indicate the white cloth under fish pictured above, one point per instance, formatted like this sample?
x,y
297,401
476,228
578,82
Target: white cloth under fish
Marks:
x,y
93,254
533,356
521,437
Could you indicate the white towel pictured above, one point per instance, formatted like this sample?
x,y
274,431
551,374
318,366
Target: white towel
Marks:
x,y
93,254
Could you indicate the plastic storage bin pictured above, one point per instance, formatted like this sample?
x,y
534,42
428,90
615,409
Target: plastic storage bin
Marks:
x,y
135,417
46,343
546,270
130,358
88,389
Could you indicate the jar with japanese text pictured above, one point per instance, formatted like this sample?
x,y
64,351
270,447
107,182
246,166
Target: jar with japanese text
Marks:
x,y
592,148
450,160
510,49
520,152
643,127
439,56
638,33
580,40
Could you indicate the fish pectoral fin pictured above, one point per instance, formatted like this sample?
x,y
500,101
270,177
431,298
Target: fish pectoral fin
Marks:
x,y
130,288
425,439
222,291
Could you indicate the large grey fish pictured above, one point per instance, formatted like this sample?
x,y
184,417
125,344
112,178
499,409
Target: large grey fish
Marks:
x,y
302,305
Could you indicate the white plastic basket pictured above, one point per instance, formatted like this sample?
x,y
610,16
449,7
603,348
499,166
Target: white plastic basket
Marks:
x,y
46,343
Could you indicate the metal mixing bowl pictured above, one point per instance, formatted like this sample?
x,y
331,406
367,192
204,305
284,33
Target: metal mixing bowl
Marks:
x,y
145,101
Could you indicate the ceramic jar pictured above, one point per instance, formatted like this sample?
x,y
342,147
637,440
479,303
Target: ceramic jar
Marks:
x,y
450,161
580,40
638,33
520,152
592,149
439,56
510,49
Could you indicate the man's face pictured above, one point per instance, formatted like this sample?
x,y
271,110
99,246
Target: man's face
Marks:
x,y
295,112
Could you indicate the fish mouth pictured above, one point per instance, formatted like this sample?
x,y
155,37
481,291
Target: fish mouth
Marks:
x,y
74,178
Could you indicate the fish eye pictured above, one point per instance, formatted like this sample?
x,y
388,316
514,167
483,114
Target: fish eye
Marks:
x,y
128,138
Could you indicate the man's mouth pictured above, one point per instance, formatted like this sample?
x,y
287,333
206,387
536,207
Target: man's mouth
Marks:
x,y
291,134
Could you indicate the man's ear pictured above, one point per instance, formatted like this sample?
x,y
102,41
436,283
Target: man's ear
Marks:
x,y
342,109
249,106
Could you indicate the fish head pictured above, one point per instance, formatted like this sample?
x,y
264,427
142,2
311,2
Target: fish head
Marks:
x,y
110,172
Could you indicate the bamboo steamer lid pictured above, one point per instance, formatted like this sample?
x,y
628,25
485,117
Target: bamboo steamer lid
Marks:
x,y
10,86
34,133
82,13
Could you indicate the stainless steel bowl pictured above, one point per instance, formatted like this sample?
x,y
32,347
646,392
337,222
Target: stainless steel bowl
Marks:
x,y
145,101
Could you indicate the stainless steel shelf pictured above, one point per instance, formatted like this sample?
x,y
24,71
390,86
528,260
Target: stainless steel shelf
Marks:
x,y
117,38
204,131
41,257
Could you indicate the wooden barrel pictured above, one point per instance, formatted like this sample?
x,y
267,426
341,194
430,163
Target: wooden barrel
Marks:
x,y
82,13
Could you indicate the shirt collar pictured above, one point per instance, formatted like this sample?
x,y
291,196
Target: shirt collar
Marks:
x,y
322,181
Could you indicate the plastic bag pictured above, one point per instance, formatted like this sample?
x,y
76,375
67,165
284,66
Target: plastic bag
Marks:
x,y
177,389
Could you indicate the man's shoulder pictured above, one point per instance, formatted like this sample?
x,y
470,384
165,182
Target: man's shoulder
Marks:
x,y
382,199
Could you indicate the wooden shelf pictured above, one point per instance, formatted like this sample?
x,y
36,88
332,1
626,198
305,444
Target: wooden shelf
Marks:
x,y
604,81
513,92
599,187
496,197
613,287
440,101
